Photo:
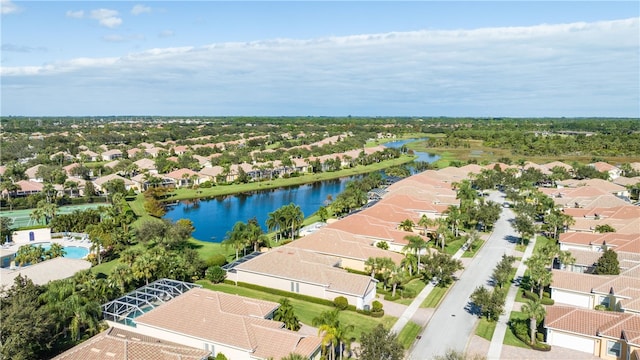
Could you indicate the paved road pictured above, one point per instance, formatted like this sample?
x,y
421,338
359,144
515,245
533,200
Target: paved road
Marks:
x,y
451,325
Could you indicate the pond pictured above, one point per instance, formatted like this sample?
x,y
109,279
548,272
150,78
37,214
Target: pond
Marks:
x,y
212,218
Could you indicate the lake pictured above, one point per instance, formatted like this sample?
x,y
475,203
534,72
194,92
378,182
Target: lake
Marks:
x,y
212,218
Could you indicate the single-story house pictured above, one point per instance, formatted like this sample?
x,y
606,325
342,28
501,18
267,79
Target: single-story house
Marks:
x,y
606,334
115,343
110,155
236,326
305,272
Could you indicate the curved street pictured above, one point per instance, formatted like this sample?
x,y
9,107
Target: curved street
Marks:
x,y
451,325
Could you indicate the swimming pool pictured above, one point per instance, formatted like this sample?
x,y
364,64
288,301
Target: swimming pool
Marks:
x,y
70,252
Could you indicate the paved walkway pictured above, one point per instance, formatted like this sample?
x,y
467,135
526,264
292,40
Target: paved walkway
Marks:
x,y
415,304
479,346
495,349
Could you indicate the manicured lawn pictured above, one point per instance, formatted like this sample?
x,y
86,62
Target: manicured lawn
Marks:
x,y
408,334
306,311
434,297
476,246
453,247
509,337
416,285
485,328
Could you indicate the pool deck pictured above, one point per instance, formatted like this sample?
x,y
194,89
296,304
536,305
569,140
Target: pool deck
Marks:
x,y
48,270
43,272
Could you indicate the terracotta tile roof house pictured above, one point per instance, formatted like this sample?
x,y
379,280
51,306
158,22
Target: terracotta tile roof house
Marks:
x,y
553,164
595,241
587,290
352,249
626,181
89,155
601,166
154,151
290,269
69,168
31,173
133,152
99,182
374,229
146,164
601,333
111,155
184,177
543,169
26,187
236,326
115,343
425,206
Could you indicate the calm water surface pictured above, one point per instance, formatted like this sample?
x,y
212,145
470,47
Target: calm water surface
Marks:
x,y
212,218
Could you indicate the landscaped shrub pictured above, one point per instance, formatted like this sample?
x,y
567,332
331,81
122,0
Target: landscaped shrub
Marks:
x,y
541,346
540,337
215,274
600,307
341,302
530,295
376,305
388,297
216,260
547,301
377,314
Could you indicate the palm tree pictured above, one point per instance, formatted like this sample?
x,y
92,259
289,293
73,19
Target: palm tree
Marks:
x,y
415,245
120,277
56,250
406,225
294,356
329,338
236,237
295,217
144,267
274,222
425,222
454,217
534,310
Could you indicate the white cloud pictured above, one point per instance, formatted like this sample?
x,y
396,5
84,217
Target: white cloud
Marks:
x,y
8,7
548,70
106,17
75,14
140,9
115,38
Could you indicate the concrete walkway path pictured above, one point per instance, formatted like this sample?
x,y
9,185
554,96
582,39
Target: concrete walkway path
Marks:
x,y
415,304
495,349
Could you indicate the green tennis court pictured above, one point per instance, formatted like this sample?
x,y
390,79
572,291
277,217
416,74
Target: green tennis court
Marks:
x,y
22,218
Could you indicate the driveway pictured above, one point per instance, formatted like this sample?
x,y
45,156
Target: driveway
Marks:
x,y
452,325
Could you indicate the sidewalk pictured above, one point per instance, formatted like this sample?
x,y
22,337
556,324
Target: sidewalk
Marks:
x,y
495,349
415,304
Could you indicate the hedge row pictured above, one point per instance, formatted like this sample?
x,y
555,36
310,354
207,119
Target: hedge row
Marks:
x,y
533,296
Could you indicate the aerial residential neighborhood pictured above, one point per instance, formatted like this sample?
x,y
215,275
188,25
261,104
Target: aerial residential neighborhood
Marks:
x,y
320,180
372,256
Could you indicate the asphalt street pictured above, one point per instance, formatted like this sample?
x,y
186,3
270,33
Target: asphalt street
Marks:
x,y
452,324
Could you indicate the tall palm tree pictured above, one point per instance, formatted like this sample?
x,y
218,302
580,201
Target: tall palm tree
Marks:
x,y
415,244
236,237
120,277
144,267
56,250
454,218
426,222
534,310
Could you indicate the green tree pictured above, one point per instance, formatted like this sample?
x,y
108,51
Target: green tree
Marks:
x,y
6,229
27,329
216,274
380,344
415,245
406,225
534,310
286,314
440,267
323,213
236,237
502,271
120,277
524,226
608,263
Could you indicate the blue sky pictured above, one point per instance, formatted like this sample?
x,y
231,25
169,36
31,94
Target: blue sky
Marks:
x,y
298,58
